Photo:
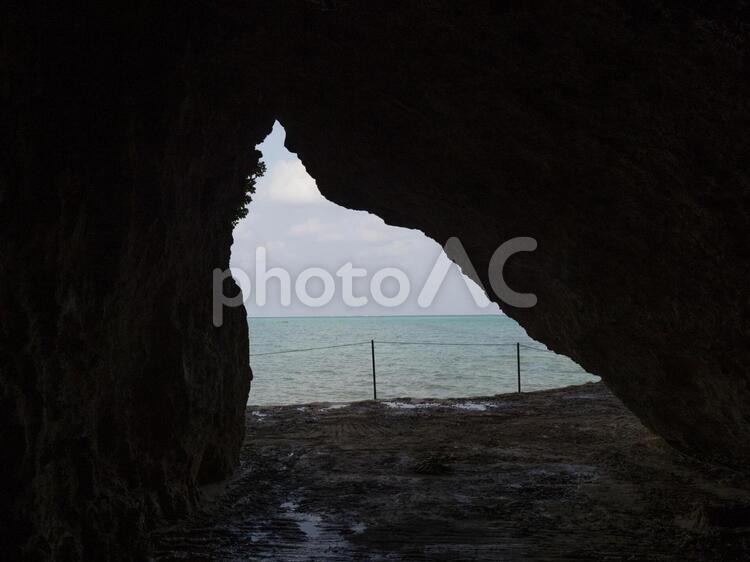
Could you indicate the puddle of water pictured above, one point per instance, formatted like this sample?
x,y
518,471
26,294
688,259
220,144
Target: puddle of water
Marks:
x,y
308,524
259,536
470,406
473,406
410,406
334,407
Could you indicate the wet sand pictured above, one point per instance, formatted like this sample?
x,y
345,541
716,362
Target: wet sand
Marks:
x,y
567,474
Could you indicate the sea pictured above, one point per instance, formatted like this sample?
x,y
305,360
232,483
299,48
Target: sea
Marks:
x,y
415,356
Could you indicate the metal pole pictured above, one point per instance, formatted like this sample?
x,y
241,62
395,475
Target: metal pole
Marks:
x,y
518,365
374,384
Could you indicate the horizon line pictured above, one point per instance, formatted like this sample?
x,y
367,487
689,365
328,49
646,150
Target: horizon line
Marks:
x,y
380,315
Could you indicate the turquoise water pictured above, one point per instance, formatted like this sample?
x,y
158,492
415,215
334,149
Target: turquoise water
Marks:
x,y
344,374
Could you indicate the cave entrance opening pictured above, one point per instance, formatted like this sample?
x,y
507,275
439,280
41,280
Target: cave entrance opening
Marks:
x,y
321,282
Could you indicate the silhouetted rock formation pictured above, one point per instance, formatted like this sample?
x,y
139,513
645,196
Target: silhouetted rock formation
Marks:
x,y
615,133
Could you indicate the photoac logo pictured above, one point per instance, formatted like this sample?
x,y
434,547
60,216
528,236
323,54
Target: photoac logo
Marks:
x,y
453,252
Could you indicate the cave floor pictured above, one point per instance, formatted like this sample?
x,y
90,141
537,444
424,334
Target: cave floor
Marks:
x,y
567,474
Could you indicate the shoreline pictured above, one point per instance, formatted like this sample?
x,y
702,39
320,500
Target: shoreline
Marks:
x,y
436,401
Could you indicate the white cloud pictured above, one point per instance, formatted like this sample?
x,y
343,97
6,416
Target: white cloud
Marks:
x,y
372,234
397,248
330,237
310,226
275,245
287,181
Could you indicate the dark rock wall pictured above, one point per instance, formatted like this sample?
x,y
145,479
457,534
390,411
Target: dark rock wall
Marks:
x,y
615,133
118,189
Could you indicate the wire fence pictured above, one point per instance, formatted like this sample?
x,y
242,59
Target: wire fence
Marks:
x,y
372,344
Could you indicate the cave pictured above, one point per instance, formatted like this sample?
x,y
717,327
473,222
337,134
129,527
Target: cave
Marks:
x,y
614,133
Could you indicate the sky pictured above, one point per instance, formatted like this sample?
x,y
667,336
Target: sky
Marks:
x,y
297,229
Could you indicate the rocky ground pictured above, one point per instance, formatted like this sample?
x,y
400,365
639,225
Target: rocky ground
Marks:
x,y
567,474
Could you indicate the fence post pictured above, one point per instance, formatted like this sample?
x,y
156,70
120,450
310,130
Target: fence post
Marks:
x,y
374,384
518,365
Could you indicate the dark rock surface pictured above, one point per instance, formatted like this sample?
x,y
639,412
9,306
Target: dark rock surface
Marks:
x,y
566,474
615,133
